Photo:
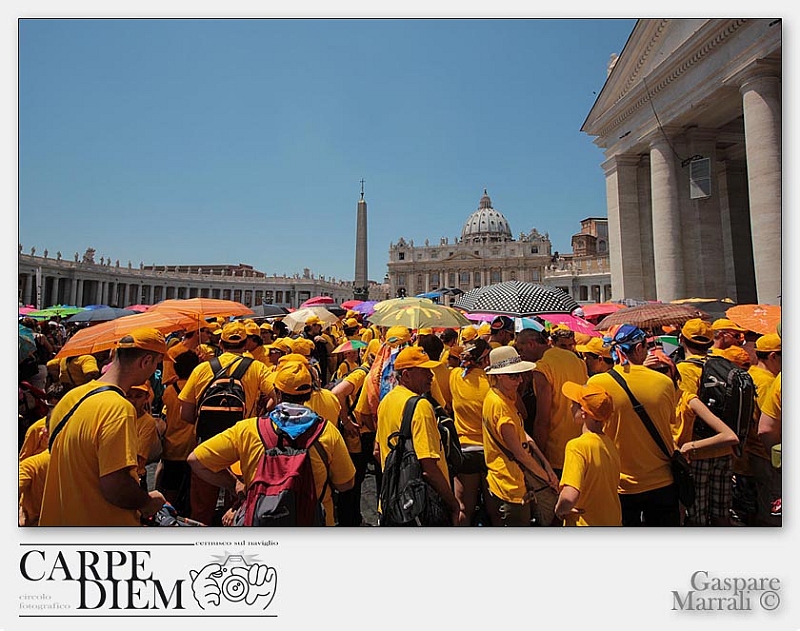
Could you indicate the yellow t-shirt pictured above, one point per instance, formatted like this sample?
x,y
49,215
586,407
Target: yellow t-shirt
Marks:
x,y
505,477
591,465
356,378
32,475
148,436
100,438
326,404
424,428
763,380
690,373
468,394
771,405
254,382
644,467
559,366
242,443
179,439
442,376
34,443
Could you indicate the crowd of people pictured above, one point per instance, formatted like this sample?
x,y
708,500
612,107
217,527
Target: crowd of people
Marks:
x,y
109,439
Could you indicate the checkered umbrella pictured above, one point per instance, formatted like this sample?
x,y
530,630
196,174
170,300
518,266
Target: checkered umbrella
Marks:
x,y
517,299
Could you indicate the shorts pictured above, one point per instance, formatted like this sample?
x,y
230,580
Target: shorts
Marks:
x,y
474,461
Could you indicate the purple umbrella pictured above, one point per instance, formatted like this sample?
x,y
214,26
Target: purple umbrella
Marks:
x,y
367,307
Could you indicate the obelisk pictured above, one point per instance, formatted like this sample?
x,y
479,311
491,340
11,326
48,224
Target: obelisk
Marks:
x,y
360,283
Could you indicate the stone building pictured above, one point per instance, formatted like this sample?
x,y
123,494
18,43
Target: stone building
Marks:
x,y
45,281
486,253
690,122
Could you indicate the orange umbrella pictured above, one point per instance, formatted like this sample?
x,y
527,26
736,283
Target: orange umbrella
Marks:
x,y
104,336
202,308
762,319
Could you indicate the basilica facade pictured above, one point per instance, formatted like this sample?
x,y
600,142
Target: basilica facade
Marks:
x,y
487,253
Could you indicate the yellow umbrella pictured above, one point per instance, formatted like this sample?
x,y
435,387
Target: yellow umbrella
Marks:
x,y
418,316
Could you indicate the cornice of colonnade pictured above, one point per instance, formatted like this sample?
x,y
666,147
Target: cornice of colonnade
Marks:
x,y
96,271
760,70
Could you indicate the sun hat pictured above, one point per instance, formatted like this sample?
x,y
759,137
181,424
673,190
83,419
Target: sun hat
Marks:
x,y
351,323
314,319
484,329
769,343
561,330
724,324
265,326
697,330
504,360
234,332
293,377
145,338
425,331
594,345
252,328
413,357
281,344
593,399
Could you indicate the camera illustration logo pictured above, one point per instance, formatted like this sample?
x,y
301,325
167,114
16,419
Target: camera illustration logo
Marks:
x,y
234,582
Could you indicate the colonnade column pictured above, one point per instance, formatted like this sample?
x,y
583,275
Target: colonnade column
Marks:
x,y
667,244
761,99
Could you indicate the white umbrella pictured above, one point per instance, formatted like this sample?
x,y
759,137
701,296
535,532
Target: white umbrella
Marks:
x,y
296,320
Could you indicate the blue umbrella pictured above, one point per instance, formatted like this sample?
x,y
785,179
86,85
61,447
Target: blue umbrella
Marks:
x,y
27,342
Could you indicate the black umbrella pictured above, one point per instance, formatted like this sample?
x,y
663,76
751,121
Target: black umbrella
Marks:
x,y
266,311
517,299
100,314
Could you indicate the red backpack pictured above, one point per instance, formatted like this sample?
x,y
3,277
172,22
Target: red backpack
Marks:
x,y
283,492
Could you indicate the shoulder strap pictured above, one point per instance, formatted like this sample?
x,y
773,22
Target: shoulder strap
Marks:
x,y
244,364
408,414
69,414
692,360
639,409
219,371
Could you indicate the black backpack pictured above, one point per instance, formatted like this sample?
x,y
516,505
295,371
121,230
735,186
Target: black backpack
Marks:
x,y
729,392
406,498
222,404
449,435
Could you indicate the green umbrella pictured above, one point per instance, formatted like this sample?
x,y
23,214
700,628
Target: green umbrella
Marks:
x,y
56,310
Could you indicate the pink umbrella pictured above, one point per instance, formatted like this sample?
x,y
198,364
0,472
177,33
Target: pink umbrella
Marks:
x,y
480,317
139,308
601,309
579,325
26,310
317,301
349,304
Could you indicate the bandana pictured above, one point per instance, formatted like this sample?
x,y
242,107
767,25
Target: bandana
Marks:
x,y
622,339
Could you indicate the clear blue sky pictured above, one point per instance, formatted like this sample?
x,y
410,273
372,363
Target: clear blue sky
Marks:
x,y
182,141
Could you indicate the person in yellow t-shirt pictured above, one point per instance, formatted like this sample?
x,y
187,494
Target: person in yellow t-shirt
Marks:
x,y
91,480
648,494
32,476
414,377
204,496
590,478
507,447
434,347
553,425
469,386
501,331
173,474
359,438
149,429
254,345
196,341
766,478
211,459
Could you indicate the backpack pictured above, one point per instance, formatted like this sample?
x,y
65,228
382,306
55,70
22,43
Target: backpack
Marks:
x,y
222,404
729,392
449,435
283,492
406,498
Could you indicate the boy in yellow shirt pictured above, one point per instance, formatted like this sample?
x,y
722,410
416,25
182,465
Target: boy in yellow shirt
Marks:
x,y
591,472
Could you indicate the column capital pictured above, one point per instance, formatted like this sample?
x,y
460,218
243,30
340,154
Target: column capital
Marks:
x,y
662,136
620,160
758,70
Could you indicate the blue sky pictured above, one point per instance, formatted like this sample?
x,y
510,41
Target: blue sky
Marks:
x,y
213,141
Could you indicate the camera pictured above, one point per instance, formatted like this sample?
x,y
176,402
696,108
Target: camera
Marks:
x,y
234,587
